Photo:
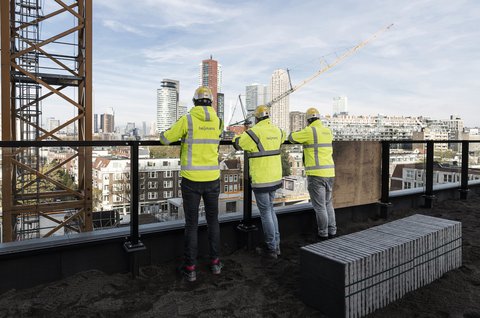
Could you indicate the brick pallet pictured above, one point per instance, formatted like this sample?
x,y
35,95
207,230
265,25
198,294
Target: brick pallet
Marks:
x,y
355,274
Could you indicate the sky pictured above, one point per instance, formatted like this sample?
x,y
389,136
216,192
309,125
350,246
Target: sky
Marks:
x,y
427,64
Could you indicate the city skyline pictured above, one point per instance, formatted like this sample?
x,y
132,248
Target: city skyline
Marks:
x,y
424,65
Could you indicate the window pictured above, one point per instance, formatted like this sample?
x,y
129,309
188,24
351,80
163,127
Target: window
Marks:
x,y
225,188
235,187
165,163
168,184
142,196
167,174
167,194
142,185
152,195
152,174
230,178
407,185
409,174
235,178
105,198
151,164
164,206
105,188
152,184
230,188
117,176
231,207
225,178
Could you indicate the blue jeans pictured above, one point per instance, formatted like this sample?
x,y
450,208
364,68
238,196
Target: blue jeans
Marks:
x,y
269,219
192,192
320,189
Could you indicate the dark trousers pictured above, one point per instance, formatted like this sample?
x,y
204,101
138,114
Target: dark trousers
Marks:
x,y
192,192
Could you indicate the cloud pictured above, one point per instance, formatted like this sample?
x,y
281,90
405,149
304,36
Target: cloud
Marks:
x,y
121,27
425,62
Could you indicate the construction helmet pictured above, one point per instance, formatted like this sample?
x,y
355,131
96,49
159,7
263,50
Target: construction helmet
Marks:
x,y
312,114
261,112
203,92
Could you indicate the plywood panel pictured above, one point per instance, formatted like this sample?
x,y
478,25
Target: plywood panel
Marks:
x,y
358,172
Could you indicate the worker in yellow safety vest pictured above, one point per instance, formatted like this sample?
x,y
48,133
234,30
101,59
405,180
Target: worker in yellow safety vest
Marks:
x,y
320,169
262,143
199,132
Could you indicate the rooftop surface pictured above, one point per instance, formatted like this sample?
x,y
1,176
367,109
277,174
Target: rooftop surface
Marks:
x,y
249,285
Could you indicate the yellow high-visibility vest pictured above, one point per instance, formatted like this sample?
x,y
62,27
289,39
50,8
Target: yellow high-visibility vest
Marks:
x,y
262,142
199,132
317,149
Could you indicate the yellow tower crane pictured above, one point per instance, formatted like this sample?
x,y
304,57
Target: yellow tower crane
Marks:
x,y
319,72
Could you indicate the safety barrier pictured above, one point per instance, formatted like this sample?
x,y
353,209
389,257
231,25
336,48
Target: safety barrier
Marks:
x,y
355,274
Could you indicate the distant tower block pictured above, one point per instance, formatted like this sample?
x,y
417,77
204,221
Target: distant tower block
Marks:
x,y
340,105
211,76
279,112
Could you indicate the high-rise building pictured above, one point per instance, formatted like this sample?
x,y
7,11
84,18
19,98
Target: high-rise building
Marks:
x,y
211,76
144,128
107,123
279,112
221,106
297,121
52,123
95,123
340,105
255,94
181,110
167,104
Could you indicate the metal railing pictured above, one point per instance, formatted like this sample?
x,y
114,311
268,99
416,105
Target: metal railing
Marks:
x,y
133,242
428,192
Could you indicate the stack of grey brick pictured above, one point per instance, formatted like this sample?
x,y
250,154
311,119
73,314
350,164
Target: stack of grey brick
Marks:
x,y
355,274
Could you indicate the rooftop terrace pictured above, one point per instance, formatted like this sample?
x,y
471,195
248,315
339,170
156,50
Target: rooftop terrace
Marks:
x,y
250,286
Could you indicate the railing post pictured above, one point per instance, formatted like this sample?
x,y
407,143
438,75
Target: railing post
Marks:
x,y
133,245
464,180
247,226
385,199
429,197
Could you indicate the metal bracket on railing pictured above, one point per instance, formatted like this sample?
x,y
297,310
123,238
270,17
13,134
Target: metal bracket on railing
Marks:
x,y
429,198
463,193
247,227
247,230
384,209
132,250
133,245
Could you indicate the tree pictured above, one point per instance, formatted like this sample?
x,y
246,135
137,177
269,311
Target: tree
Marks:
x,y
165,152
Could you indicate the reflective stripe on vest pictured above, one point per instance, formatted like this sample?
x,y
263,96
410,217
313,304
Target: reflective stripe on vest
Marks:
x,y
261,151
266,184
164,140
190,141
315,147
